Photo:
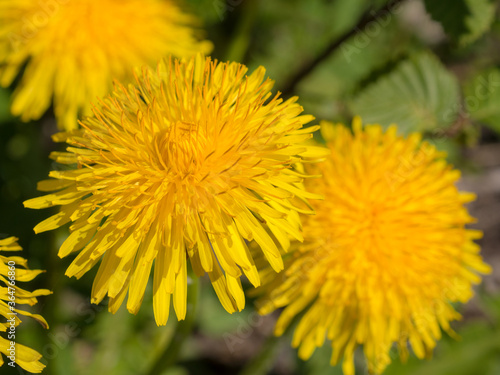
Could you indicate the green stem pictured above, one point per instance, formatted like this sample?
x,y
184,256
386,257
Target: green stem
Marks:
x,y
184,328
238,46
261,364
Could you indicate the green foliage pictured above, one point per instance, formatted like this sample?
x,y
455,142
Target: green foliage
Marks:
x,y
463,20
210,11
281,46
326,91
450,13
369,75
482,98
477,352
214,321
480,20
319,363
418,95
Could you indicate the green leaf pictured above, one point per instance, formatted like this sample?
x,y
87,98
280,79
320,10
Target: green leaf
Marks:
x,y
463,20
278,42
482,98
418,95
359,60
480,20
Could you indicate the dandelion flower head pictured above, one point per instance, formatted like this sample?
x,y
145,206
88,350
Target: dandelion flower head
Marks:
x,y
385,256
72,50
14,269
194,160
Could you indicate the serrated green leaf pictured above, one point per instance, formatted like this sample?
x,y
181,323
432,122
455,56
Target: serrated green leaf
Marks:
x,y
480,20
418,95
463,20
482,98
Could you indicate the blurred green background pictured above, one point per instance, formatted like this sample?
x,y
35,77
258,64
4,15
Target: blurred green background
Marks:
x,y
430,66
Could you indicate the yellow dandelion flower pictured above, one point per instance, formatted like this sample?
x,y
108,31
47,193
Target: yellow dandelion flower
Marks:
x,y
14,269
386,254
193,160
72,50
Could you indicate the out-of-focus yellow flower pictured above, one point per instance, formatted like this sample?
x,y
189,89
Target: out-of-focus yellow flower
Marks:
x,y
14,269
193,160
386,254
74,49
